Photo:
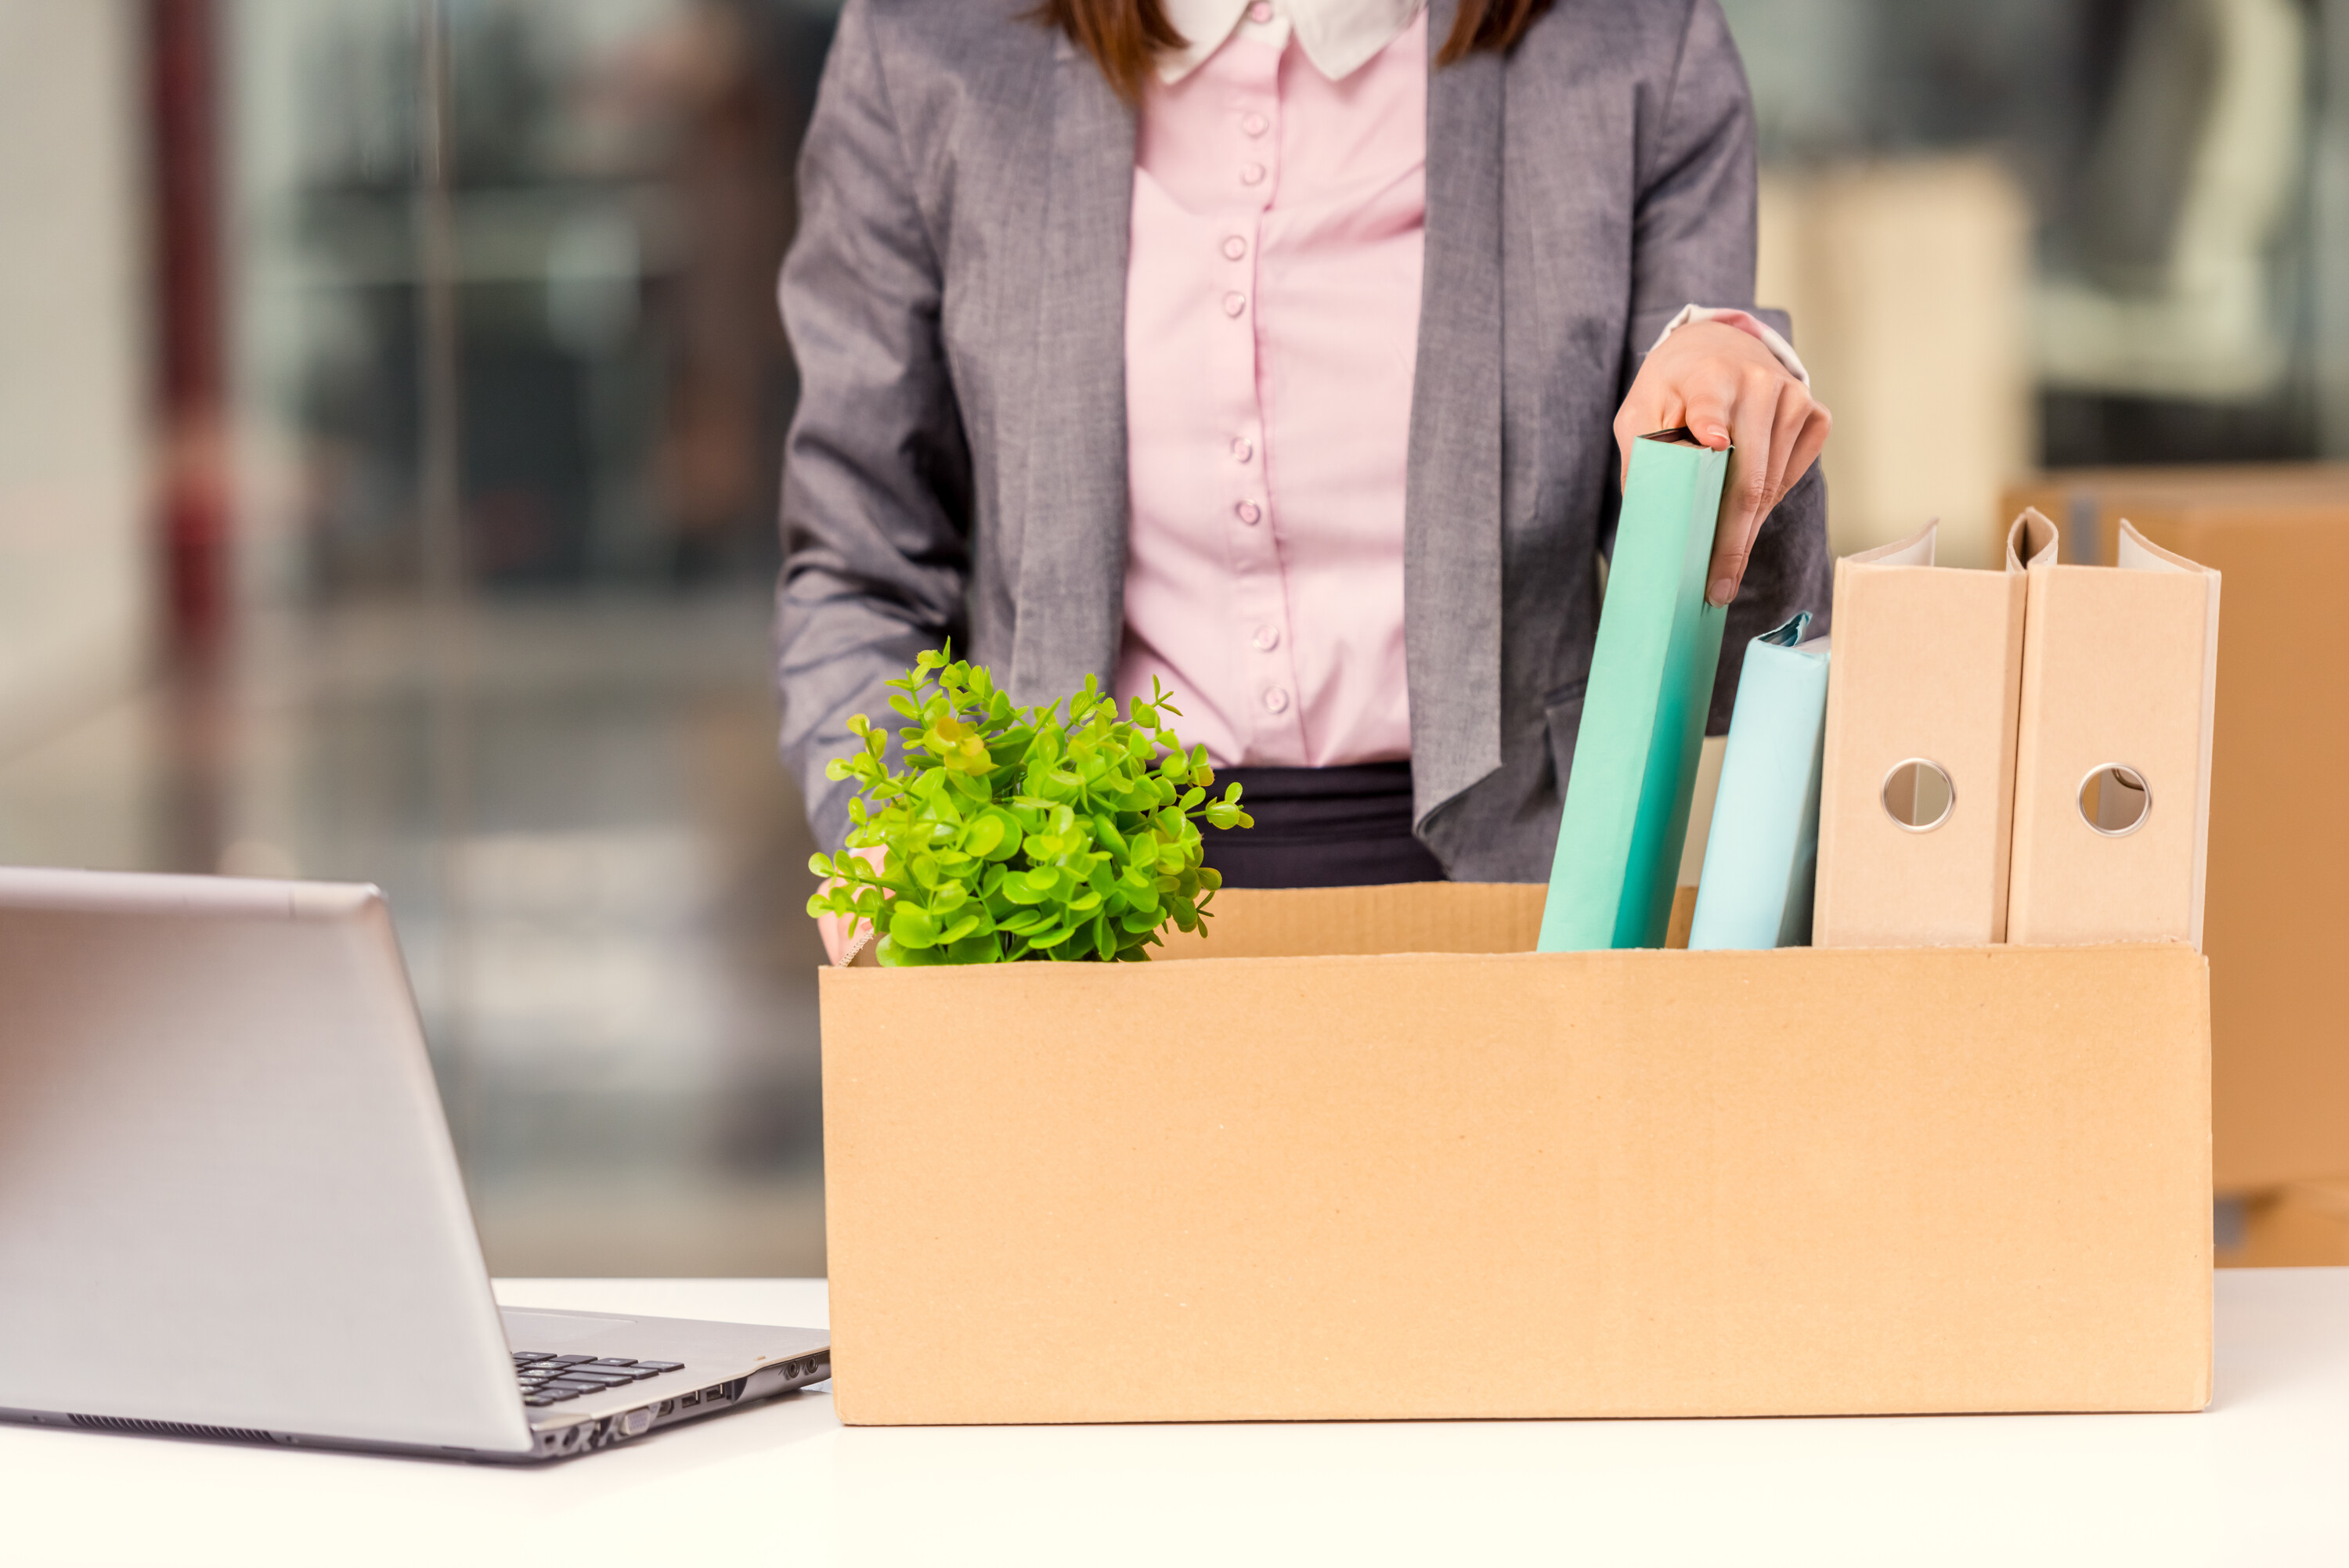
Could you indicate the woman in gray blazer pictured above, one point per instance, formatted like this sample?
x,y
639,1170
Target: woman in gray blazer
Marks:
x,y
983,188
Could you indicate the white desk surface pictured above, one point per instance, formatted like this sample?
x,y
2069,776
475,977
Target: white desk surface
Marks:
x,y
2259,1478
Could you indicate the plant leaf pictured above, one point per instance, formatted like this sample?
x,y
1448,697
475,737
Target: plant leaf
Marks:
x,y
910,926
1063,830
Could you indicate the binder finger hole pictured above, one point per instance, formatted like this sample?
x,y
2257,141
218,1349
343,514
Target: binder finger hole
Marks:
x,y
2115,801
1918,795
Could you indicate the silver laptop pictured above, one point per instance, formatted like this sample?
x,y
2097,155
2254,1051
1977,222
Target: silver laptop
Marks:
x,y
229,1207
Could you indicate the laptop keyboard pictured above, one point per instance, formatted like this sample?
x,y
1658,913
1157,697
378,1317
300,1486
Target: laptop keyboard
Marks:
x,y
551,1379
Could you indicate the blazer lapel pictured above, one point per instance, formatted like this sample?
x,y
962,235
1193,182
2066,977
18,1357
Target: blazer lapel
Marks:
x,y
1452,506
1071,572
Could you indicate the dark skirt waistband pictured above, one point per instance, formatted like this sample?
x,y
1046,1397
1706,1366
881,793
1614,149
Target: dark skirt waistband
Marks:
x,y
1321,827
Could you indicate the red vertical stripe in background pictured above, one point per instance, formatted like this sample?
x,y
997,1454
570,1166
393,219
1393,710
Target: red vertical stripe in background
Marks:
x,y
192,388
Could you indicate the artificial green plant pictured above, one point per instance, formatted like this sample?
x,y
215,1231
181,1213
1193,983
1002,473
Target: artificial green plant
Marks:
x,y
1016,832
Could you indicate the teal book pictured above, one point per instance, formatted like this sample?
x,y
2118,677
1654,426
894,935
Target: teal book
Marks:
x,y
1762,852
1652,673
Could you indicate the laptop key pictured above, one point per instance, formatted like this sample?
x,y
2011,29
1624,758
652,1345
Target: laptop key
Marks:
x,y
611,1361
568,1360
662,1366
540,1399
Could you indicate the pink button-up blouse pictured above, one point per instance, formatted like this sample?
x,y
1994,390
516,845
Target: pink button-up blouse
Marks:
x,y
1271,338
1272,324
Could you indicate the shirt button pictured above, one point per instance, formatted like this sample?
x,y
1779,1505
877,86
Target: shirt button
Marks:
x,y
1243,448
1267,638
1256,125
1234,304
1259,13
1276,700
1252,175
1248,512
1235,248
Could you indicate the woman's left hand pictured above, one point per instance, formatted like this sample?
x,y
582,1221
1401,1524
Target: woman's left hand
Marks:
x,y
1729,390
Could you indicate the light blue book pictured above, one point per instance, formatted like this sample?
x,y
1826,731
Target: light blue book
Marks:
x,y
1627,799
1762,852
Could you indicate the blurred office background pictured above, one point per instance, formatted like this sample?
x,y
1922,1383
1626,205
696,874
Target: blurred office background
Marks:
x,y
391,400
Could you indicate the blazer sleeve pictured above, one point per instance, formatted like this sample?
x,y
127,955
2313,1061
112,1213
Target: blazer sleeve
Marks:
x,y
876,494
1694,243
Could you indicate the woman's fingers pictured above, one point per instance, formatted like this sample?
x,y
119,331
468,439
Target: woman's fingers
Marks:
x,y
1644,412
1750,491
1759,481
1728,391
1812,440
1786,432
1711,398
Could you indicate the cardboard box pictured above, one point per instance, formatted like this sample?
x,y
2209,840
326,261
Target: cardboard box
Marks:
x,y
2276,922
1475,1184
2305,1225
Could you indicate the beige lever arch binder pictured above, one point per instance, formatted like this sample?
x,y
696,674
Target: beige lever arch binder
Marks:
x,y
2112,793
1915,792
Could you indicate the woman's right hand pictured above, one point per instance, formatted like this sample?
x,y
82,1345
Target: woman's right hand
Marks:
x,y
1731,391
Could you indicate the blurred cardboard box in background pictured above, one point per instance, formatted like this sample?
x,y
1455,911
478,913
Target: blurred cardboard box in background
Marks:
x,y
1909,285
2303,1225
2277,921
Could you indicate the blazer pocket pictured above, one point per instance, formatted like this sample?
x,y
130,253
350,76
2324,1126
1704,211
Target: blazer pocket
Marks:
x,y
1562,712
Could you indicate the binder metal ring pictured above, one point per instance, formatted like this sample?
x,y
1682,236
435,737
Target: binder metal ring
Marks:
x,y
2103,779
1902,795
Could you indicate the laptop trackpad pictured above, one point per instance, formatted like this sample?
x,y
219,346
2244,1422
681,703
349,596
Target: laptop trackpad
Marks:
x,y
555,1330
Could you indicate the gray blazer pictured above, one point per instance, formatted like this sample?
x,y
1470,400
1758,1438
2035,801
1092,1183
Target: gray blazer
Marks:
x,y
955,299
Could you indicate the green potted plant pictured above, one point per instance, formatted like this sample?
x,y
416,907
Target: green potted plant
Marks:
x,y
1020,832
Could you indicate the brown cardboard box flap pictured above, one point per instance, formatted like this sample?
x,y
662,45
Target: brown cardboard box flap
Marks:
x,y
1639,1183
1407,917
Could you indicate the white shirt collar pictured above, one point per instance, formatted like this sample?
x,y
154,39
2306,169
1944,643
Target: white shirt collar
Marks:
x,y
1340,37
